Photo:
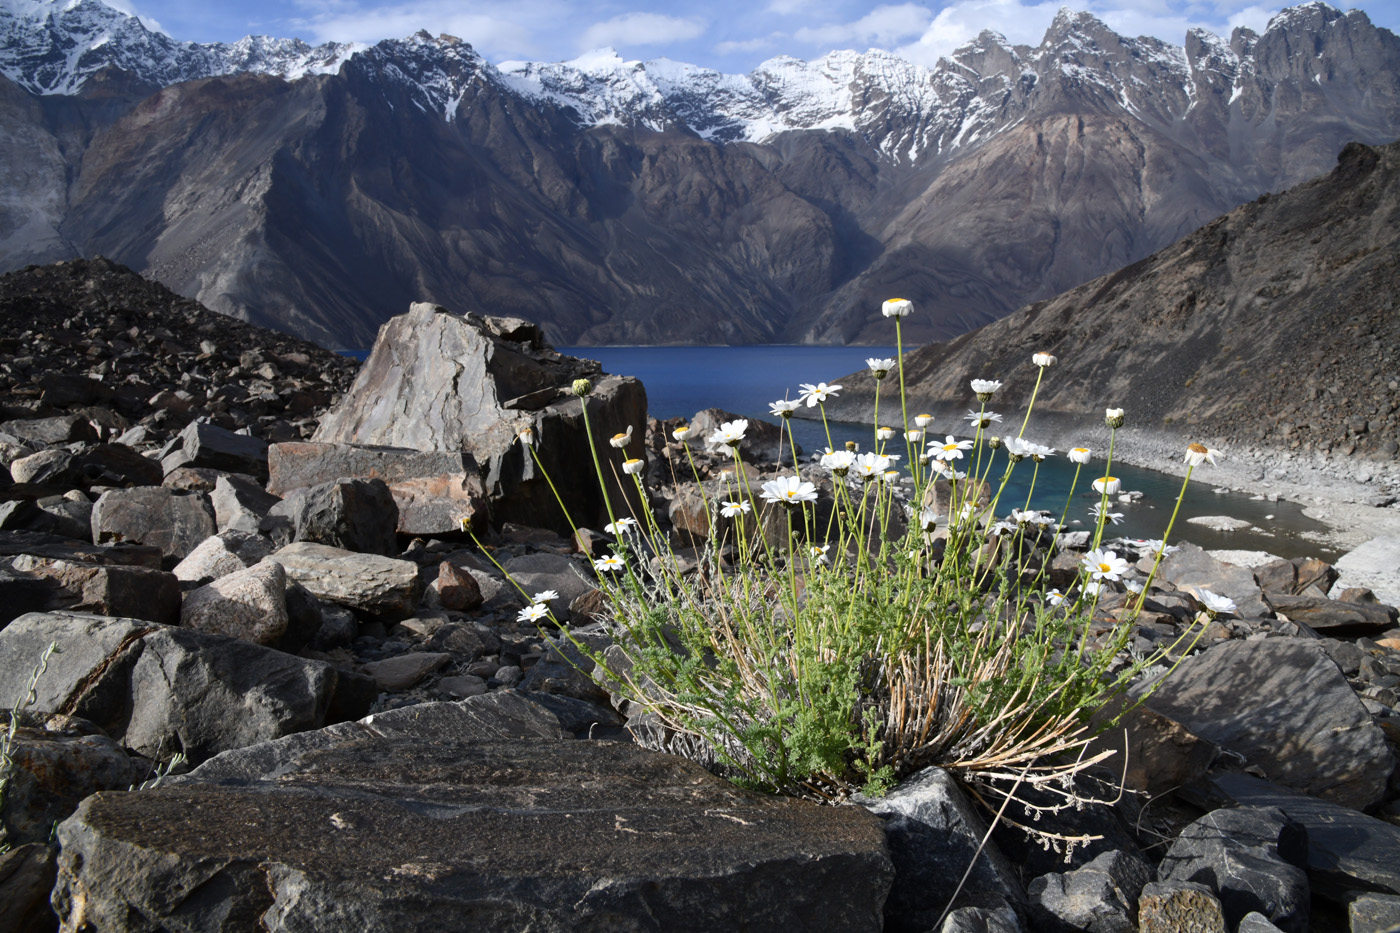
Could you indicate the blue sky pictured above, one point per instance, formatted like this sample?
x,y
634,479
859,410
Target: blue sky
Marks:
x,y
730,35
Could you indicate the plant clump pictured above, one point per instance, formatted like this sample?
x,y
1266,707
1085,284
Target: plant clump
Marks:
x,y
874,613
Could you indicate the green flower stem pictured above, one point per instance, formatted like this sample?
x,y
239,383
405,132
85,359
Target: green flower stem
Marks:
x,y
550,480
1103,499
597,465
1040,371
878,383
1161,552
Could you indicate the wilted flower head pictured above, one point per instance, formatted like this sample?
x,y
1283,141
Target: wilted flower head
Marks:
x,y
1113,417
923,421
1196,454
532,613
982,419
730,433
784,408
619,526
1108,485
1043,359
985,388
1216,604
733,509
814,395
896,307
913,435
525,435
883,433
1079,454
581,387
879,368
1105,565
852,446
681,433
789,490
633,466
994,442
620,440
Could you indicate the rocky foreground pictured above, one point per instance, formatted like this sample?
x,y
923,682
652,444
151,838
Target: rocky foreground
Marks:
x,y
290,693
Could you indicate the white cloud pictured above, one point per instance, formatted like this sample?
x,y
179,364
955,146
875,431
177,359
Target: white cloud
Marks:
x,y
631,29
729,47
884,26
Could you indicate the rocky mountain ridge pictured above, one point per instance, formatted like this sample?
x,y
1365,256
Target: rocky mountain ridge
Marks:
x,y
628,202
1272,327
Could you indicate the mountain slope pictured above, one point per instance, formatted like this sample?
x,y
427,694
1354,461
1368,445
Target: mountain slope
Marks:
x,y
1274,324
629,202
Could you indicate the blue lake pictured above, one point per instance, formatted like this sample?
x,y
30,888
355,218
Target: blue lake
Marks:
x,y
683,380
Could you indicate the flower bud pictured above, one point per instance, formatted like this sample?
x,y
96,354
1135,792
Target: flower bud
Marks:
x,y
582,387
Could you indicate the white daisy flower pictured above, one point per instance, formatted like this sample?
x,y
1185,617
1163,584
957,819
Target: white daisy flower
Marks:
x,y
913,435
633,466
1099,513
1113,417
923,421
815,395
608,563
883,433
730,433
928,518
985,388
620,440
1054,597
982,419
838,461
818,554
1079,454
1105,565
545,596
1018,448
871,465
1196,454
681,433
1043,359
1093,588
897,307
950,449
783,408
731,509
1216,604
1108,485
789,490
619,526
879,367
532,613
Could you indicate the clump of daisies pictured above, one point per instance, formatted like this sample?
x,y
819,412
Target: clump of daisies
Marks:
x,y
876,611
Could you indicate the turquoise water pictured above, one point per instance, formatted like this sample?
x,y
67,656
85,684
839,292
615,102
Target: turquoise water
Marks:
x,y
683,380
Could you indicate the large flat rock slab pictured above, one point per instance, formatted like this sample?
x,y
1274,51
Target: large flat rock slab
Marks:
x,y
1284,705
437,830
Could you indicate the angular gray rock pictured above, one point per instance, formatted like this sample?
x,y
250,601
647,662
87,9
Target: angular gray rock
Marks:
x,y
56,547
222,554
980,920
1191,568
933,833
1374,913
568,577
239,503
354,514
1252,858
1334,618
47,467
1282,704
56,762
162,690
250,603
27,875
405,670
1100,897
447,382
154,515
380,586
395,824
433,489
109,590
1348,851
202,444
